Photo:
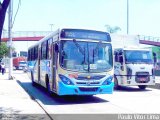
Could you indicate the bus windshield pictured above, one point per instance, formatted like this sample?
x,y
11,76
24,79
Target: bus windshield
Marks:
x,y
138,56
86,56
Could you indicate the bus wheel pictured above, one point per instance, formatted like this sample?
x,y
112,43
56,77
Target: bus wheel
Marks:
x,y
142,87
48,85
116,86
33,83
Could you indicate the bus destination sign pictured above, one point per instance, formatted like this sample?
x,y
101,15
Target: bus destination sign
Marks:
x,y
85,34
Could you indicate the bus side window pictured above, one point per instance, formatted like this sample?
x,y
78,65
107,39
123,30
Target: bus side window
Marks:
x,y
32,54
49,48
36,53
44,52
56,47
29,55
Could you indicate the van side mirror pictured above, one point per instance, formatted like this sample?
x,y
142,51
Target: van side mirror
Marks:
x,y
121,59
120,53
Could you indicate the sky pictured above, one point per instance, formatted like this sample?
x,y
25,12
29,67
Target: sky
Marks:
x,y
38,15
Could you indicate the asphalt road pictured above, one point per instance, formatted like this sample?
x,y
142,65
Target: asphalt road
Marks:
x,y
127,100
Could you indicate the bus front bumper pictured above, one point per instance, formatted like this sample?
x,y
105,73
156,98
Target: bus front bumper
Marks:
x,y
84,90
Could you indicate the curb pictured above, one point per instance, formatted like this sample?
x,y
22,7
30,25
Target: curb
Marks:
x,y
27,91
156,86
34,99
6,76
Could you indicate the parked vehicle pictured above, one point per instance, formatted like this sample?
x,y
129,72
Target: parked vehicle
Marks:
x,y
19,63
133,66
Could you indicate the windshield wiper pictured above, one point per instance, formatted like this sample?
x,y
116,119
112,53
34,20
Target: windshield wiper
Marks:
x,y
79,47
83,53
97,47
81,50
95,51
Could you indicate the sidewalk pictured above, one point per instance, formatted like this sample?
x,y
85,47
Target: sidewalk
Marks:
x,y
157,79
4,77
14,100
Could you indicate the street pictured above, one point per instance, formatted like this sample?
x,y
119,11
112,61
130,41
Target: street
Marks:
x,y
127,100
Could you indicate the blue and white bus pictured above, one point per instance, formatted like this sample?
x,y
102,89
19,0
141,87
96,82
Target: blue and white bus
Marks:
x,y
73,62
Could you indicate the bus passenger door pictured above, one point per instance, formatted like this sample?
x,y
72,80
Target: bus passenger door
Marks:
x,y
54,65
36,69
38,66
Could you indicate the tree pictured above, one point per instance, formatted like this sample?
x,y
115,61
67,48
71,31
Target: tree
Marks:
x,y
113,29
3,9
3,50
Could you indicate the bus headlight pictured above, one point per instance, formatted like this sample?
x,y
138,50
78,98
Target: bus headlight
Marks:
x,y
65,80
108,81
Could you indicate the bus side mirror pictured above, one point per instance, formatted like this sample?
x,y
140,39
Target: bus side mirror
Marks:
x,y
120,53
56,48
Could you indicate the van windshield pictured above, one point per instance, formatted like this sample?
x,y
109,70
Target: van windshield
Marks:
x,y
138,56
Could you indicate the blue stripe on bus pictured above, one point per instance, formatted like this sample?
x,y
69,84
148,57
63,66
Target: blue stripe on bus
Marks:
x,y
83,90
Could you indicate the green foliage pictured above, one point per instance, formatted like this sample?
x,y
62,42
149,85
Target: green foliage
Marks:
x,y
3,49
113,29
157,51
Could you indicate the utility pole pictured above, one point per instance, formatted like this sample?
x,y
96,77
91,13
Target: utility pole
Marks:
x,y
51,26
127,16
10,12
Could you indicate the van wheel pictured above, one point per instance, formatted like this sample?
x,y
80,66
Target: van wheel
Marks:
x,y
116,86
142,87
33,83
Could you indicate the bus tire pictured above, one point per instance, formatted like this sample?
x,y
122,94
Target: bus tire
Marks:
x,y
142,87
116,86
47,84
33,83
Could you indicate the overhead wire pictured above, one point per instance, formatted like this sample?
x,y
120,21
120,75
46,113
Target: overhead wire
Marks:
x,y
19,4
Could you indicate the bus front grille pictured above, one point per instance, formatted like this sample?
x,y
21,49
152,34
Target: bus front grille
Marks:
x,y
84,77
86,83
91,89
